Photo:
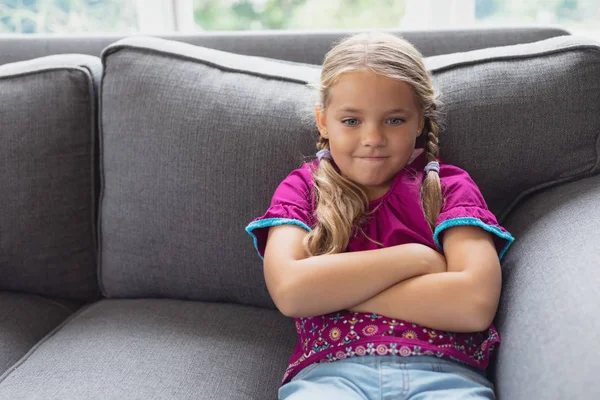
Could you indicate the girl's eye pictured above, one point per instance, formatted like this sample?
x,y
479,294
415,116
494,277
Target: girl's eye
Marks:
x,y
350,122
395,121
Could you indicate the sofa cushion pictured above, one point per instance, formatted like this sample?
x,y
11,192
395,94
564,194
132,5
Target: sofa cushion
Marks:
x,y
187,136
158,349
195,141
521,118
548,315
47,227
24,320
305,46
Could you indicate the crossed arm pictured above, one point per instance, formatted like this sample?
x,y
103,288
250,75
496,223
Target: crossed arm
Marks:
x,y
458,293
462,299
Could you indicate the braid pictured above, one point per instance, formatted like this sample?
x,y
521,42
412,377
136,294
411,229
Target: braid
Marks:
x,y
431,189
341,208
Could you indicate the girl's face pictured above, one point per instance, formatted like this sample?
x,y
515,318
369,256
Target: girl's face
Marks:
x,y
372,123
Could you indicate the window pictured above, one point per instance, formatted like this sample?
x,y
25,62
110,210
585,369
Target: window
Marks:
x,y
298,14
577,16
68,16
161,16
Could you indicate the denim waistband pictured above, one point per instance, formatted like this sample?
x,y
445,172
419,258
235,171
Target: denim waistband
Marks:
x,y
374,360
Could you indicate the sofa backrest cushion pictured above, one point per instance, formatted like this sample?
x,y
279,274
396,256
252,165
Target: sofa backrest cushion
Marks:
x,y
186,133
298,46
48,109
521,118
195,141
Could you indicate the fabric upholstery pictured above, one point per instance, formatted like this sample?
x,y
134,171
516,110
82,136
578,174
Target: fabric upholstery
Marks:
x,y
157,349
47,218
195,141
206,144
548,316
24,320
187,135
512,112
306,46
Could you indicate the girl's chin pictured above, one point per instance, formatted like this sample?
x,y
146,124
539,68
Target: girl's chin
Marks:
x,y
368,179
372,184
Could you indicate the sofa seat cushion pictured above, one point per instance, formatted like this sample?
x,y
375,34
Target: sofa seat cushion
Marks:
x,y
158,349
24,320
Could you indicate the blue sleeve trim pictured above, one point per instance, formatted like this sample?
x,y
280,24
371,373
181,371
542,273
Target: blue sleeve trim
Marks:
x,y
268,222
473,222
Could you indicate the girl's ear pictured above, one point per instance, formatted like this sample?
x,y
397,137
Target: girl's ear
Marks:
x,y
421,137
321,123
422,124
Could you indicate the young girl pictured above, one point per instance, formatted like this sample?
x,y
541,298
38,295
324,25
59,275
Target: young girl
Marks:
x,y
387,258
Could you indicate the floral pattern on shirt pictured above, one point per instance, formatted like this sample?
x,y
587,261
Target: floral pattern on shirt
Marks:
x,y
346,334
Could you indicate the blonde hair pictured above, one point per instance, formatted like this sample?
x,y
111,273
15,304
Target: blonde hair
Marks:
x,y
342,205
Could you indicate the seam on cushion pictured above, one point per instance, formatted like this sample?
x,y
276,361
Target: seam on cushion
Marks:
x,y
44,70
537,188
25,357
597,166
102,180
46,299
264,223
57,303
538,54
473,222
117,48
93,104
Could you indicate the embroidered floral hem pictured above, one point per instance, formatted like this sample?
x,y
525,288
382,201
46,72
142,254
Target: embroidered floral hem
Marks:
x,y
401,347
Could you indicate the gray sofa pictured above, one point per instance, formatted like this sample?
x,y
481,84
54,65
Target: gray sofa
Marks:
x,y
127,179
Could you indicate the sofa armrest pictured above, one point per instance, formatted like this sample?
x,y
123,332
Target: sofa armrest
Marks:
x,y
549,317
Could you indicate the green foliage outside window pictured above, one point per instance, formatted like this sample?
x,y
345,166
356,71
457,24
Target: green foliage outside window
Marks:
x,y
120,16
67,16
298,14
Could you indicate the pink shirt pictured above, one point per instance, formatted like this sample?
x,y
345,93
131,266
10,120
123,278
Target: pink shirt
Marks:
x,y
398,219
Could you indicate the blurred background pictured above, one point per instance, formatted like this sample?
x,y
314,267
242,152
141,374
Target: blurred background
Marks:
x,y
120,17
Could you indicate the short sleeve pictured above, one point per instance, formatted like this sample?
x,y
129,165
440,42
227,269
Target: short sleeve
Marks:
x,y
291,204
464,205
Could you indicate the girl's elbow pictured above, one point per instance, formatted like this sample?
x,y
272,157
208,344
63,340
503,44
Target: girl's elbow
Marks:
x,y
283,297
291,313
281,284
480,324
287,309
484,316
294,306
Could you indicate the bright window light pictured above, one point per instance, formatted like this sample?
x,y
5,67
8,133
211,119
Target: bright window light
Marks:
x,y
163,16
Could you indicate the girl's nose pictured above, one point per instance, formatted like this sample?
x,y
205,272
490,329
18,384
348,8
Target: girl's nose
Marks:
x,y
373,136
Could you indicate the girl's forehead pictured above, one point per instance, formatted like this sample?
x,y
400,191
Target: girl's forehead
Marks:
x,y
368,89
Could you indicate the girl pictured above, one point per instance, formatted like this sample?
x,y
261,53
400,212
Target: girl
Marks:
x,y
387,257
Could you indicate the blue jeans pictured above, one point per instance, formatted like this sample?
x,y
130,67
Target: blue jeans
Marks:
x,y
388,377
